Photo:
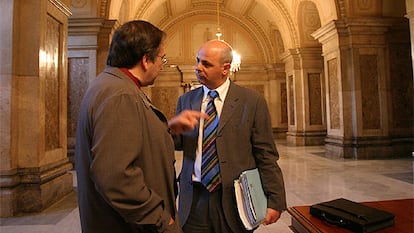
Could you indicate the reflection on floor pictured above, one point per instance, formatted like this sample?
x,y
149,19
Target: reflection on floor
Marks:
x,y
309,178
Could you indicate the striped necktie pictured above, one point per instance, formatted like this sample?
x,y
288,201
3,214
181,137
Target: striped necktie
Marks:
x,y
210,171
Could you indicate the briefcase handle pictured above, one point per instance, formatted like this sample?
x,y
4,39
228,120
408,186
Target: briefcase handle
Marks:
x,y
339,222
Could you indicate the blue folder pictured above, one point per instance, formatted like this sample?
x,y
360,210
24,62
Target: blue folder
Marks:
x,y
254,201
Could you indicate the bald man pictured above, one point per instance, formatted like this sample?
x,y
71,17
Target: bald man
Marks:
x,y
243,141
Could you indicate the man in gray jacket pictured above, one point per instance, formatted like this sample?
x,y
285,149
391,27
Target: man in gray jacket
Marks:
x,y
124,150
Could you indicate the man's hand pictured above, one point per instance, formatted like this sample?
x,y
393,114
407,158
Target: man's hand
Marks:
x,y
185,121
271,216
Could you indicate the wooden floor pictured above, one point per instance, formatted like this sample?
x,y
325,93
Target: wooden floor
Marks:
x,y
309,178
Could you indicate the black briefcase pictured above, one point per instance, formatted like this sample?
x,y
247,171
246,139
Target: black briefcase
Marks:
x,y
352,215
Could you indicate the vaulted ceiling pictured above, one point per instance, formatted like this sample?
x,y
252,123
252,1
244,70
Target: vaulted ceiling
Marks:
x,y
256,16
273,26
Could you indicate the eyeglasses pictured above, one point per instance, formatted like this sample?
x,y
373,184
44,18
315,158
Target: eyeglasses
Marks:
x,y
164,59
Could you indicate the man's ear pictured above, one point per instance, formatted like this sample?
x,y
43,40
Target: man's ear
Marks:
x,y
145,62
226,68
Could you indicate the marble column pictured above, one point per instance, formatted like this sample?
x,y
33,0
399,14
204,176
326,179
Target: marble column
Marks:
x,y
306,110
368,83
88,42
33,162
277,99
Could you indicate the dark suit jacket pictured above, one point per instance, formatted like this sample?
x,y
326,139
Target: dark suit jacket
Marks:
x,y
244,141
124,160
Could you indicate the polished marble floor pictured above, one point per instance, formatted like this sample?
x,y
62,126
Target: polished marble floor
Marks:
x,y
309,178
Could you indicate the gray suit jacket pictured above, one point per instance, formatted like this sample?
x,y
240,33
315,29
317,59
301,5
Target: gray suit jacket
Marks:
x,y
124,160
244,141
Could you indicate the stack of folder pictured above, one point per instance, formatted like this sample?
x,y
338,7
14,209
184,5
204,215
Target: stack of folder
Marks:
x,y
250,198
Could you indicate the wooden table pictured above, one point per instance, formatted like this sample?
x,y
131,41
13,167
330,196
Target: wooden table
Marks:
x,y
304,222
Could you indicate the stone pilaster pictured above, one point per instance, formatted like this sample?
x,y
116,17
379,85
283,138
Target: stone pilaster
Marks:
x,y
277,99
88,43
361,106
34,166
306,112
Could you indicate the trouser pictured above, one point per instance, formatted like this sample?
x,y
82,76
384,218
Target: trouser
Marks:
x,y
206,215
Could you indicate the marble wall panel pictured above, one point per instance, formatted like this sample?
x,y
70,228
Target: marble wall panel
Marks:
x,y
291,102
369,92
165,98
52,83
283,103
401,87
5,119
333,87
315,99
78,83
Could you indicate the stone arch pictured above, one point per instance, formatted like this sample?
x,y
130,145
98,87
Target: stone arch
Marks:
x,y
328,10
283,21
308,22
258,35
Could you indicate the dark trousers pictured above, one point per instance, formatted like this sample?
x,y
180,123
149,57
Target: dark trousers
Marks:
x,y
206,215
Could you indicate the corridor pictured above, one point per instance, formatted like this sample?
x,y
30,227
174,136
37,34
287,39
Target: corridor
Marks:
x,y
309,178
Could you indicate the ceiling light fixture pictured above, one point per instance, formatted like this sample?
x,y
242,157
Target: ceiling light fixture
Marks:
x,y
218,33
235,64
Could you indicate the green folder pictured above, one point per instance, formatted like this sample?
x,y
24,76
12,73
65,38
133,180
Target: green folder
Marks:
x,y
250,197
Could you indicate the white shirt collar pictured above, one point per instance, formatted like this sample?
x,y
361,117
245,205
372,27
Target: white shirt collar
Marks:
x,y
222,90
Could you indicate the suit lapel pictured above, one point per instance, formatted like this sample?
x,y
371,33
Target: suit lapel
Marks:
x,y
195,104
230,104
196,99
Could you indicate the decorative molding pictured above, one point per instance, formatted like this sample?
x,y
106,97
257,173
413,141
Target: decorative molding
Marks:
x,y
144,7
341,8
104,8
89,26
14,177
61,6
291,25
